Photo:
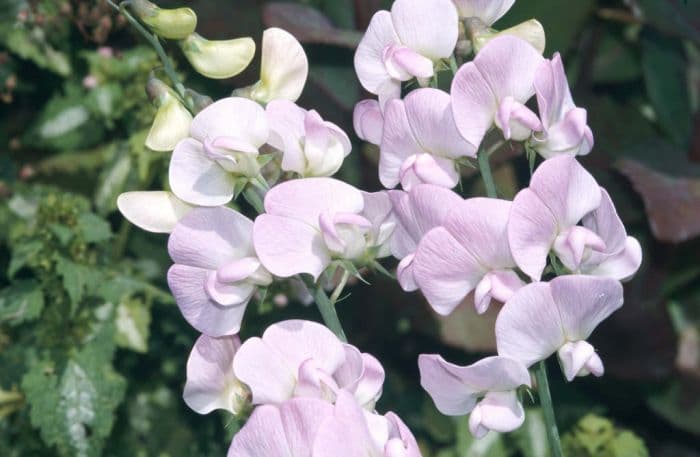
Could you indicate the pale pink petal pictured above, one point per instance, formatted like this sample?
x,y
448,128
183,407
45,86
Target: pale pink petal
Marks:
x,y
305,199
516,120
298,341
428,169
570,136
405,275
605,222
532,230
286,121
429,114
529,326
199,309
584,302
287,247
197,179
234,117
572,244
211,237
270,377
497,284
623,265
498,411
210,380
155,211
345,433
489,11
579,359
474,104
444,270
428,27
402,443
403,63
371,382
287,430
368,121
552,88
568,189
398,143
369,63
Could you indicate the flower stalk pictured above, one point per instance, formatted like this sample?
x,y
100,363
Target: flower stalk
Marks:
x,y
548,409
487,176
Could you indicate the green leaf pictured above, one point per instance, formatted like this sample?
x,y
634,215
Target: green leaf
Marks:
x,y
31,44
665,67
21,302
22,254
132,321
76,278
532,436
678,408
93,228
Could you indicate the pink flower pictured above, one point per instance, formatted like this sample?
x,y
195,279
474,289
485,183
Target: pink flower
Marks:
x,y
309,222
423,208
368,120
304,359
469,251
487,389
488,11
420,141
211,383
216,271
544,318
224,143
493,88
545,215
565,130
310,146
403,44
308,427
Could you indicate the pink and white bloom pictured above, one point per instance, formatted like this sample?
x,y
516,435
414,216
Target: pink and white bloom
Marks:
x,y
352,432
558,316
565,129
426,206
420,141
216,271
310,146
404,44
469,251
378,211
487,389
487,11
368,120
310,222
211,383
493,89
287,430
298,358
545,217
224,141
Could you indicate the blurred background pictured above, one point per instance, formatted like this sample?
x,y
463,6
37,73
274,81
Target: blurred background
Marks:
x,y
92,346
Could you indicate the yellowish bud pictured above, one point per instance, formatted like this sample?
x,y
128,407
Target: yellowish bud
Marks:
x,y
173,24
172,121
218,59
530,31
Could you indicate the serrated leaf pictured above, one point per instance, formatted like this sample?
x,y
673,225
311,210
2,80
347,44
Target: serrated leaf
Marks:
x,y
112,180
132,322
63,233
93,228
21,302
76,278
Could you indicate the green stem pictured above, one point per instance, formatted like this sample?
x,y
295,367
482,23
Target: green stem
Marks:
x,y
548,409
252,197
155,42
328,312
339,288
485,168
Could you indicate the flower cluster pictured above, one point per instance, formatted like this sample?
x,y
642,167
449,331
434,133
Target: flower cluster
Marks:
x,y
554,256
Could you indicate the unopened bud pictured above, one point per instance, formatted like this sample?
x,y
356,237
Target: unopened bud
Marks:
x,y
530,31
218,59
172,121
173,24
198,101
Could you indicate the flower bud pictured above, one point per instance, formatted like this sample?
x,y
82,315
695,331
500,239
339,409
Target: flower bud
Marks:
x,y
173,24
172,121
218,59
530,31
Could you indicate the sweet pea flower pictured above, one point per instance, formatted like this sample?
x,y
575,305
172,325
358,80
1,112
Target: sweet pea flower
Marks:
x,y
298,358
211,383
487,11
378,211
565,129
215,272
545,215
420,142
426,206
368,120
404,44
544,318
224,143
308,223
284,68
352,432
154,211
310,146
469,251
285,430
493,89
487,389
